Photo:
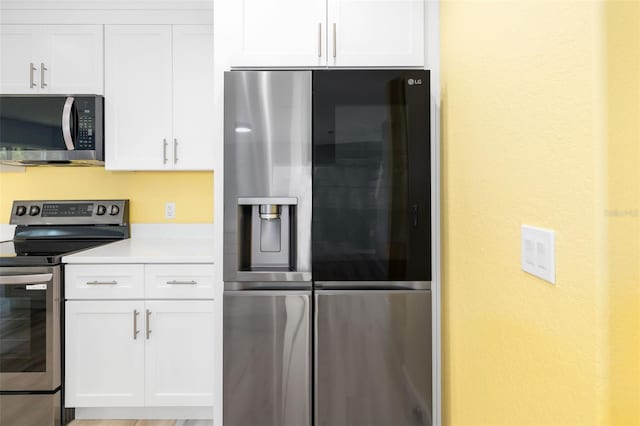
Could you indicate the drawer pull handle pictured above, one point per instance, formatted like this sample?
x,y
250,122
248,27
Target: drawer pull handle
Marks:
x,y
182,282
114,282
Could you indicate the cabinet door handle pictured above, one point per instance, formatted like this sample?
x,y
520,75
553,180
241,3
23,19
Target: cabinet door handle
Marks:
x,y
164,151
334,39
114,282
42,70
174,282
175,150
148,320
32,68
135,324
319,39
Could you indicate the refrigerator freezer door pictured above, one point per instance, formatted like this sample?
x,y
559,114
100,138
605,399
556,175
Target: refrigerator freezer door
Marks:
x,y
267,358
373,358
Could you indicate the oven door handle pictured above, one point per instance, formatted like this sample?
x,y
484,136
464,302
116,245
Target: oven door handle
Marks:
x,y
66,123
25,279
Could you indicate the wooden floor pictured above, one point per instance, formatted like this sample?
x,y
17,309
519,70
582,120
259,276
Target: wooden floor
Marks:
x,y
141,423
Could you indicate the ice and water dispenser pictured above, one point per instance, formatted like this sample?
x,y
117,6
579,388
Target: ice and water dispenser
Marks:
x,y
266,235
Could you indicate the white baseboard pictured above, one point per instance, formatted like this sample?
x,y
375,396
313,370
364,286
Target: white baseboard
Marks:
x,y
144,413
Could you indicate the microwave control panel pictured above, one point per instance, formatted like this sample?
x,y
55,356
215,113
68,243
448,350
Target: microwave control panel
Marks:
x,y
85,138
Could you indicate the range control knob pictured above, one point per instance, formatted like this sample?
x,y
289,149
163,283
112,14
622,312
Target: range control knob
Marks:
x,y
114,210
101,210
21,210
34,210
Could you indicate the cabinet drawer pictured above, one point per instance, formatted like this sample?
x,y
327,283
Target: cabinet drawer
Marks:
x,y
104,281
179,281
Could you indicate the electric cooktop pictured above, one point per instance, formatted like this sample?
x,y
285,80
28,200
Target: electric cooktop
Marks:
x,y
48,230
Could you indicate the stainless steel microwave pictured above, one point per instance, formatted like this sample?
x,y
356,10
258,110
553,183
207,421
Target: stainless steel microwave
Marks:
x,y
52,129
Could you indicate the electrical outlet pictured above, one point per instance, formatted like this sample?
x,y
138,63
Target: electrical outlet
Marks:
x,y
170,210
538,252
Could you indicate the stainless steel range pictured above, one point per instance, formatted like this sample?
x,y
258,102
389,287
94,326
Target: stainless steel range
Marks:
x,y
31,300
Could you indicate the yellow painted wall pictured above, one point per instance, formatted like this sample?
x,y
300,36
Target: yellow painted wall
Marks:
x,y
524,142
147,191
622,41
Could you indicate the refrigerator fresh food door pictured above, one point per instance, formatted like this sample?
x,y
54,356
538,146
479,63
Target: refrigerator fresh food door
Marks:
x,y
373,358
267,358
371,176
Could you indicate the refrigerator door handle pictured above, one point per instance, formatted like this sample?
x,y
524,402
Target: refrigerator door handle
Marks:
x,y
266,285
373,285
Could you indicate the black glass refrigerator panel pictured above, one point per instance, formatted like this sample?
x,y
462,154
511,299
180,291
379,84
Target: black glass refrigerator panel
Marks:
x,y
371,176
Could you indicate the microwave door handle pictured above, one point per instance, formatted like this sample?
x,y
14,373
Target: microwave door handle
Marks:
x,y
66,123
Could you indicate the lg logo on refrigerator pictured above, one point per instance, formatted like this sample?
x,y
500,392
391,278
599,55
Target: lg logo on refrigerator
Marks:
x,y
416,82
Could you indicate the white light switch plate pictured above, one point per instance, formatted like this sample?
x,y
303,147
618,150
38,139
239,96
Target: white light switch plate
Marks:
x,y
539,252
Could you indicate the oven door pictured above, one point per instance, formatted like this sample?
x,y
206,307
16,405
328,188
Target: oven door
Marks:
x,y
29,328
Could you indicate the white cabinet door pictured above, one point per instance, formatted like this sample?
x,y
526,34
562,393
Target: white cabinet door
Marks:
x,y
18,51
104,354
193,132
73,59
138,116
376,33
61,59
279,33
180,353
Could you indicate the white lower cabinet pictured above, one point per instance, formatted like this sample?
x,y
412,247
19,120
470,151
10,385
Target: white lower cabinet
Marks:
x,y
179,353
104,361
139,353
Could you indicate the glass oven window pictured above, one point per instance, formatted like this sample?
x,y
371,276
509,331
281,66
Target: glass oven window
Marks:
x,y
23,327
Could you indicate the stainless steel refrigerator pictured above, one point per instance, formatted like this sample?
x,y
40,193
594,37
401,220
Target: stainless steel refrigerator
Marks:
x,y
327,263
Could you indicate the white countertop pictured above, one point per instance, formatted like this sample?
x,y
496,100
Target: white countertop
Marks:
x,y
148,250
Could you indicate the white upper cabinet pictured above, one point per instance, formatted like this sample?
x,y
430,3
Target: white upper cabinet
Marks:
x,y
158,97
279,33
18,58
74,58
60,59
193,133
381,33
341,33
138,96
